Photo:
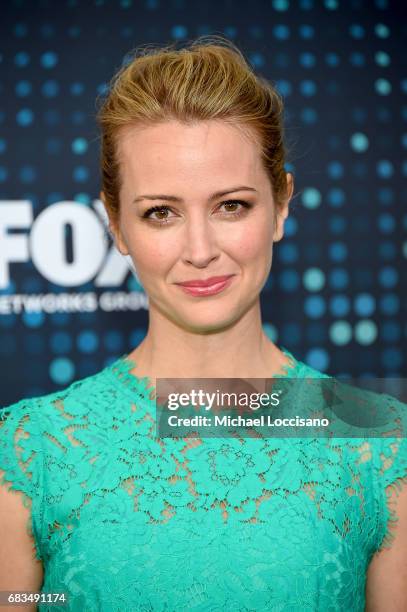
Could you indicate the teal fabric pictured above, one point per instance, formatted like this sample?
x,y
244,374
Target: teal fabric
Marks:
x,y
125,521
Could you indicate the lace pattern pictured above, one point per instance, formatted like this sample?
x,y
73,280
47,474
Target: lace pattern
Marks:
x,y
126,521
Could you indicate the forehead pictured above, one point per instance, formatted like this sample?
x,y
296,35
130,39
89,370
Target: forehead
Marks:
x,y
214,147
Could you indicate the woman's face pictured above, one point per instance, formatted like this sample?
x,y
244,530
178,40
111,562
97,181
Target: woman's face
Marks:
x,y
196,236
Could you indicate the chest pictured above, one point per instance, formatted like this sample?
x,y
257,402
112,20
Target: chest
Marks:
x,y
214,524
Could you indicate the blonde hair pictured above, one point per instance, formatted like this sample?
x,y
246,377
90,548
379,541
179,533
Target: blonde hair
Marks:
x,y
207,79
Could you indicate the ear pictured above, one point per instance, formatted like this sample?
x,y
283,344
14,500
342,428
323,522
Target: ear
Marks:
x,y
114,228
282,213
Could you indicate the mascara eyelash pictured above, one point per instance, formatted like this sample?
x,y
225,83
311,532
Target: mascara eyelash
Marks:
x,y
245,205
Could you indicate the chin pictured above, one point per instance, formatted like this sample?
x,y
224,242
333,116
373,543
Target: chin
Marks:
x,y
209,319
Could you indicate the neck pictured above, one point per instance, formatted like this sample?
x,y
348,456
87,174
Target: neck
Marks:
x,y
240,351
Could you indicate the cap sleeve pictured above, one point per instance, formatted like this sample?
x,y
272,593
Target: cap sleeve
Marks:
x,y
21,461
390,473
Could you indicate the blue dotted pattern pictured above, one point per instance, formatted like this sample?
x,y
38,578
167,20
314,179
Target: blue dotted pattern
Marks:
x,y
335,293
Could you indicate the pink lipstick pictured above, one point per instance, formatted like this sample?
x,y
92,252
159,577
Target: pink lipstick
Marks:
x,y
210,286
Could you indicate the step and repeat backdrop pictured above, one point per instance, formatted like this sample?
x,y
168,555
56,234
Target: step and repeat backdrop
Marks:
x,y
336,295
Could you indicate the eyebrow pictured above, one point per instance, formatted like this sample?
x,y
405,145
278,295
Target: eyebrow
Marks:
x,y
213,196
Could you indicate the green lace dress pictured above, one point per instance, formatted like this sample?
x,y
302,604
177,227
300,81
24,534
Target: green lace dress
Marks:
x,y
124,521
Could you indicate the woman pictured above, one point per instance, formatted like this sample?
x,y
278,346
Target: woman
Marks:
x,y
121,519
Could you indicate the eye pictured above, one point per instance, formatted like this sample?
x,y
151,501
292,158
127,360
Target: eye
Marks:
x,y
243,205
154,209
163,208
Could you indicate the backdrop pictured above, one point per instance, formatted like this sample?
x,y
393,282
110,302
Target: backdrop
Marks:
x,y
70,304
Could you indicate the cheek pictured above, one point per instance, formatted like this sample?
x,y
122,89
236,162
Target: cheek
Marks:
x,y
149,252
255,242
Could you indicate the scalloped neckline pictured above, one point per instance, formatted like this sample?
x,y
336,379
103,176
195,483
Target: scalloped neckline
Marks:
x,y
120,371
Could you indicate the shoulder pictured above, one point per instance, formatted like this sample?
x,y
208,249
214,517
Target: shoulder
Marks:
x,y
360,410
80,392
379,461
38,434
35,427
387,572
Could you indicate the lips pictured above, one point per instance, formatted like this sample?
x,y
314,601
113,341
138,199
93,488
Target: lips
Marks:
x,y
213,280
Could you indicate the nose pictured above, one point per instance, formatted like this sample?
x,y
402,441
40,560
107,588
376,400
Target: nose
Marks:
x,y
200,244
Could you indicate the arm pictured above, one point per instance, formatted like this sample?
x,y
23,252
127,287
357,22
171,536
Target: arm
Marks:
x,y
21,464
20,570
386,585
